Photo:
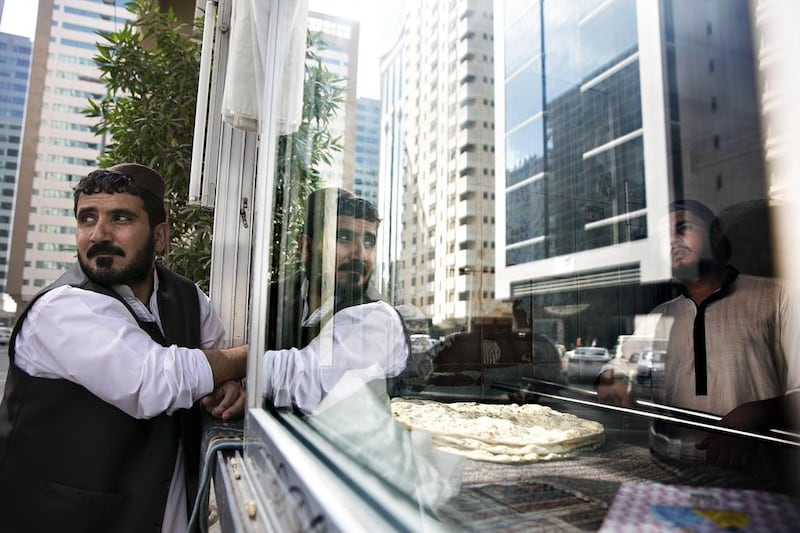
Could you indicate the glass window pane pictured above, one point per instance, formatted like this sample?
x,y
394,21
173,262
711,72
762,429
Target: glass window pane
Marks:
x,y
525,152
517,279
523,95
610,108
601,48
521,37
526,226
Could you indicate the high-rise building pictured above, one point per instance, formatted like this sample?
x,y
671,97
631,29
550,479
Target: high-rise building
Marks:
x,y
58,146
599,130
391,173
340,57
447,150
367,148
15,64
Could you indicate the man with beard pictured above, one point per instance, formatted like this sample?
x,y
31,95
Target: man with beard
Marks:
x,y
328,318
732,346
97,429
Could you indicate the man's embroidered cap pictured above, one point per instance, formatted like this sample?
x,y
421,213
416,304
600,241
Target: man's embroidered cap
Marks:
x,y
145,177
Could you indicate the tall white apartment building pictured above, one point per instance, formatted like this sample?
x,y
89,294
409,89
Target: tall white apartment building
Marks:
x,y
447,152
58,146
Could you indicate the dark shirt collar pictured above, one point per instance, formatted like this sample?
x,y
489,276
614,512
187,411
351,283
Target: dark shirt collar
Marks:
x,y
729,275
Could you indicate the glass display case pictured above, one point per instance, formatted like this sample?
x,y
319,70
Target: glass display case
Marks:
x,y
561,233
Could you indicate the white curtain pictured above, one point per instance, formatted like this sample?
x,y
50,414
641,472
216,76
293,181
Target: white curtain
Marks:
x,y
243,97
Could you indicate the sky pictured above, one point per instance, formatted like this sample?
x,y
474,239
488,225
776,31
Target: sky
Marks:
x,y
19,17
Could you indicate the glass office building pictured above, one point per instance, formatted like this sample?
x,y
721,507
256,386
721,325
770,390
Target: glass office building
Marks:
x,y
15,65
601,129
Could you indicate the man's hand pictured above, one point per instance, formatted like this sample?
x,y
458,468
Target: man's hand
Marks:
x,y
227,401
728,452
723,450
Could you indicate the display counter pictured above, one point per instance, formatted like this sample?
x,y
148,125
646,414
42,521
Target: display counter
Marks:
x,y
576,493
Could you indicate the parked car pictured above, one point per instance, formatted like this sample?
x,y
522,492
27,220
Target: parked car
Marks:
x,y
650,367
585,363
421,342
420,362
5,334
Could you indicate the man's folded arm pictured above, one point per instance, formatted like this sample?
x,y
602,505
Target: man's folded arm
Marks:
x,y
227,364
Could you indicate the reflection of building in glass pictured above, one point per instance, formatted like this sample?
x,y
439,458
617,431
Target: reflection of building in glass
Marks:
x,y
58,146
775,24
447,248
367,148
340,56
600,128
15,64
391,174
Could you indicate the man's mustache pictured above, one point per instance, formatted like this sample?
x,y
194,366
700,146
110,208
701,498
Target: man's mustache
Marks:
x,y
353,266
104,249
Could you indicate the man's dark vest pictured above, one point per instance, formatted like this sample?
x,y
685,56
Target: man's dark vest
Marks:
x,y
286,315
72,462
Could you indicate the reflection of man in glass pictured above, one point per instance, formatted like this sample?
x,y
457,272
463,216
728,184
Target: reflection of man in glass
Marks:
x,y
328,319
732,344
348,253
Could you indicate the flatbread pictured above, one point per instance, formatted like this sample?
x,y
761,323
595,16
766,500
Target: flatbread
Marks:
x,y
507,433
